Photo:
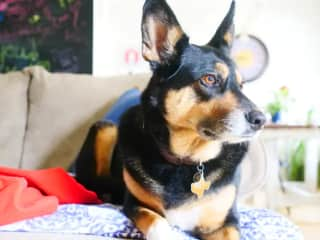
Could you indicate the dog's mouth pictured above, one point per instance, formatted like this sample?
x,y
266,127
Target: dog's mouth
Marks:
x,y
227,136
210,134
234,128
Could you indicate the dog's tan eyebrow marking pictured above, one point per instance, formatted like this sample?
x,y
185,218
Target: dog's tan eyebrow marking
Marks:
x,y
222,69
105,141
145,197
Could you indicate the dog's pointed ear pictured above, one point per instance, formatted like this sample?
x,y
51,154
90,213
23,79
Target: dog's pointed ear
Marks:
x,y
224,36
160,32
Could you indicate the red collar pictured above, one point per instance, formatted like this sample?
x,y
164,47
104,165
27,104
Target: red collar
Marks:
x,y
171,158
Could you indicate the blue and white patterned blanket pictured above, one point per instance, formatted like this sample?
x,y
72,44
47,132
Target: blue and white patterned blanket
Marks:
x,y
108,220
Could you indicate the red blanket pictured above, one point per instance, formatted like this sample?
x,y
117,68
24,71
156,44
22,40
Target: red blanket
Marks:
x,y
25,194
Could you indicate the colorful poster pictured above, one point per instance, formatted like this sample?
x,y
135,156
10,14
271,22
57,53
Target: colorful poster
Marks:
x,y
56,34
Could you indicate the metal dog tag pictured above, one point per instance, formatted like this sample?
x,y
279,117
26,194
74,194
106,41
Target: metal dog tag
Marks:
x,y
200,185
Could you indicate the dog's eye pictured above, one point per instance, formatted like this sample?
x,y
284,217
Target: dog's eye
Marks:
x,y
209,80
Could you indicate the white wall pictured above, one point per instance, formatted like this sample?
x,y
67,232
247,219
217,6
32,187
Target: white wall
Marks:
x,y
289,28
117,29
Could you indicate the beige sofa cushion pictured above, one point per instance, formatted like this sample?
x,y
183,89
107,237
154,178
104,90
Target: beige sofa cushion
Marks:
x,y
62,108
13,114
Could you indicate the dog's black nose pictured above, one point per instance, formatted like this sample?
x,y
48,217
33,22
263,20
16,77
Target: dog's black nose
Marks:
x,y
256,119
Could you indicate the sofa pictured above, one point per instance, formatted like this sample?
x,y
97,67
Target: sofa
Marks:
x,y
45,117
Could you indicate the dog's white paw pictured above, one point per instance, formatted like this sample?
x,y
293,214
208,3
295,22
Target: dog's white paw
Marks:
x,y
161,230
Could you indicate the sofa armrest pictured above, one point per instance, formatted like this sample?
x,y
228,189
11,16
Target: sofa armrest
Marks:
x,y
13,116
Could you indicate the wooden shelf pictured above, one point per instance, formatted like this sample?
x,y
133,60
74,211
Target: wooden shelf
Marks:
x,y
283,126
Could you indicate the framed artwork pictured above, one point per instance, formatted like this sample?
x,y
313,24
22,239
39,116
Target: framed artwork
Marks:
x,y
56,34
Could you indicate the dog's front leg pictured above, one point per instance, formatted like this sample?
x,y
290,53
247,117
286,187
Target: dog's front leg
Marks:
x,y
152,225
225,233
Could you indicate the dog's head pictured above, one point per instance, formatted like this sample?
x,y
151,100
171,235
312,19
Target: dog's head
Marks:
x,y
196,90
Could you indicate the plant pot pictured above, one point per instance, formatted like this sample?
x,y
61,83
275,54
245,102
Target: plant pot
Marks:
x,y
276,117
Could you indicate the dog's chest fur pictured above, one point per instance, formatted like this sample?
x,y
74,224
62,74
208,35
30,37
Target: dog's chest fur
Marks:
x,y
194,215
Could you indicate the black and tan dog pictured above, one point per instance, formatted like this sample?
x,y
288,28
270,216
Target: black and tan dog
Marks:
x,y
174,159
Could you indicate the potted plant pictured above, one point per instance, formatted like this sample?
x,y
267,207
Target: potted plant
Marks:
x,y
295,171
278,104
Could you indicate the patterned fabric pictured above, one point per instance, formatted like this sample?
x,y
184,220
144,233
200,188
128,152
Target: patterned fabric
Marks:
x,y
107,220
